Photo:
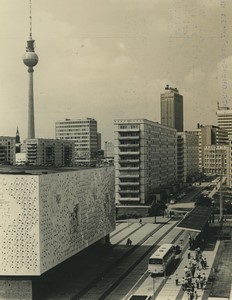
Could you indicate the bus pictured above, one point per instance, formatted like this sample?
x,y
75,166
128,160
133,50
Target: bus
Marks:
x,y
161,259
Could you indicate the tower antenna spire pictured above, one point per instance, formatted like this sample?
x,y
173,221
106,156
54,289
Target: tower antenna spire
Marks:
x,y
30,17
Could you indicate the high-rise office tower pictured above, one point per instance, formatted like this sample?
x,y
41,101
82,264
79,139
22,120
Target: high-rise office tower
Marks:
x,y
172,109
83,132
30,59
224,119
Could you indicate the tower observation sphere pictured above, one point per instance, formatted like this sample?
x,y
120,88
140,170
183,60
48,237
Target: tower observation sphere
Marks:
x,y
30,58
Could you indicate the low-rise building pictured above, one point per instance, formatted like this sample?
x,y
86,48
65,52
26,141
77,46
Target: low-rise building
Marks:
x,y
49,152
7,150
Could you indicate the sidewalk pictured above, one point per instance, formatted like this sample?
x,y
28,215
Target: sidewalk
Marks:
x,y
166,288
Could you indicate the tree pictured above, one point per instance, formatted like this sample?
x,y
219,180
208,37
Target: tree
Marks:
x,y
156,208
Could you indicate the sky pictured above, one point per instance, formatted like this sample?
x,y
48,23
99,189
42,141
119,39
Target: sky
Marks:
x,y
111,59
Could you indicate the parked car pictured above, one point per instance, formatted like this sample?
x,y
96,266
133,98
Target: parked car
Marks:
x,y
173,201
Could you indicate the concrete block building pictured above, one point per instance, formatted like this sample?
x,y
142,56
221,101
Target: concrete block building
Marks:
x,y
216,160
145,159
83,132
172,114
187,157
49,152
7,150
47,216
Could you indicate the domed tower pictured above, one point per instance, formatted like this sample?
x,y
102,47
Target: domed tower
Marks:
x,y
30,59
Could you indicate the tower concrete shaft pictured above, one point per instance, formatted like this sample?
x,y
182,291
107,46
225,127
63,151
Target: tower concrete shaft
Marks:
x,y
31,120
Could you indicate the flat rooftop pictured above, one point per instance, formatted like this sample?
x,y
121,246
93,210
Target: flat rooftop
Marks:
x,y
38,170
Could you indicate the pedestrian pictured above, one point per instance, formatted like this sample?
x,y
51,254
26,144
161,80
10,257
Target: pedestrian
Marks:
x,y
128,242
191,295
202,283
201,260
189,278
197,281
177,279
205,262
193,269
196,295
140,221
192,287
196,254
189,254
199,273
186,270
183,283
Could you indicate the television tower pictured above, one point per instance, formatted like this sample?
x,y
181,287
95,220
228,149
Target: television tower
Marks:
x,y
30,59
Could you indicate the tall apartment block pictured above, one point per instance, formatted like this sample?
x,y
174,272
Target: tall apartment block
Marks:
x,y
172,108
83,132
145,160
49,152
224,119
187,157
7,150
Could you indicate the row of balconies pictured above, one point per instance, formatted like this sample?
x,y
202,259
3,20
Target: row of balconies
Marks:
x,y
129,199
129,183
129,176
128,145
120,138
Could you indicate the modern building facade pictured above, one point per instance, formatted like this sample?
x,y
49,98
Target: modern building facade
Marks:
x,y
145,159
209,135
187,157
47,218
216,160
49,152
7,150
172,114
83,132
224,119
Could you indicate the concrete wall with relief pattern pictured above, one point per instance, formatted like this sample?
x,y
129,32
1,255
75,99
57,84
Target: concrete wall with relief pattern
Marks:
x,y
76,210
45,219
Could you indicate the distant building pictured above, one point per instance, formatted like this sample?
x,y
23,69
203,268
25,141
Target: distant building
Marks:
x,y
99,141
145,160
216,160
17,142
109,150
7,150
209,135
172,109
224,119
49,152
187,157
83,132
20,158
